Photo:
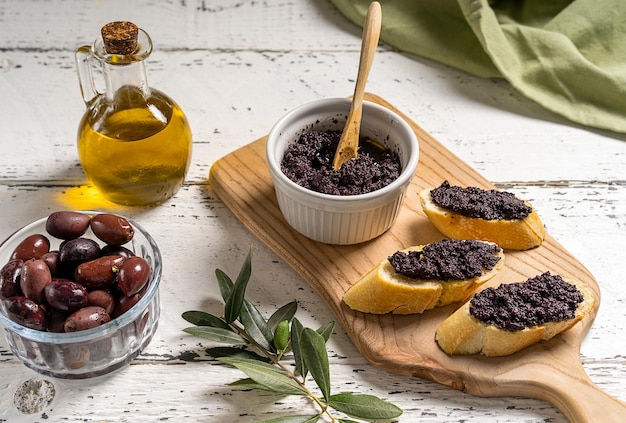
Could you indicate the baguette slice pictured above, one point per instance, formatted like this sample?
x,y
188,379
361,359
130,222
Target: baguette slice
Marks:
x,y
463,334
519,234
382,290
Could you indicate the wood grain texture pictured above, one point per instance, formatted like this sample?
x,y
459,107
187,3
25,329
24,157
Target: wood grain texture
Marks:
x,y
405,344
235,68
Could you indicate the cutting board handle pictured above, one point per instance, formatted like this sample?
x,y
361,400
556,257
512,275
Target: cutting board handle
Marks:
x,y
569,389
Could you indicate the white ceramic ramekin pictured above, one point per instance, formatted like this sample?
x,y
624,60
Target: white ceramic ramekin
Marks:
x,y
341,219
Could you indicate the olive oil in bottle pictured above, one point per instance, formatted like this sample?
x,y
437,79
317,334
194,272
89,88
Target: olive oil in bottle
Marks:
x,y
134,142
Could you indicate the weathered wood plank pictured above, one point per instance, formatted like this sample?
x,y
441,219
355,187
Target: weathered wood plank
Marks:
x,y
236,67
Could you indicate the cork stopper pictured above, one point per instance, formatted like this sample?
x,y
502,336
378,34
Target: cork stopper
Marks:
x,y
120,37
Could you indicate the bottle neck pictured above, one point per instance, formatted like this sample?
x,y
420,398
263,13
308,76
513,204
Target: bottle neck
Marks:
x,y
125,77
125,74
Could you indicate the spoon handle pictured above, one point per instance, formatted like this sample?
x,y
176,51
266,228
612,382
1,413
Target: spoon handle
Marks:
x,y
371,34
349,143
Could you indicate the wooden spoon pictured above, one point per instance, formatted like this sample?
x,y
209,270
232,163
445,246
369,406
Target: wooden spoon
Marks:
x,y
349,142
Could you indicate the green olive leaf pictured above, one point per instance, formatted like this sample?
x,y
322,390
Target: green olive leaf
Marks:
x,y
256,326
200,318
364,406
293,419
235,300
218,352
313,351
346,421
271,377
267,366
224,283
220,335
296,335
286,312
248,383
326,330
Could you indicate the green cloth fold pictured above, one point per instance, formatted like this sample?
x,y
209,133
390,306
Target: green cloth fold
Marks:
x,y
567,55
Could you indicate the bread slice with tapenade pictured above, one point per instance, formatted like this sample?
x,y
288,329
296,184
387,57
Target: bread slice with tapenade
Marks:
x,y
476,213
426,276
503,320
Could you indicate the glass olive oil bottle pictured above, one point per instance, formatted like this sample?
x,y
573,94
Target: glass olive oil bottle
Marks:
x,y
134,142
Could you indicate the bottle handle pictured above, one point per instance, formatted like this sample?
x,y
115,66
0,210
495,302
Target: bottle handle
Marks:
x,y
85,75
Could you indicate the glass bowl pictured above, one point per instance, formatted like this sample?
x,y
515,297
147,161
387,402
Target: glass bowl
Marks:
x,y
341,219
93,352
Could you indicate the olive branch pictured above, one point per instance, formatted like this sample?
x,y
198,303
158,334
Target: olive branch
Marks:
x,y
259,348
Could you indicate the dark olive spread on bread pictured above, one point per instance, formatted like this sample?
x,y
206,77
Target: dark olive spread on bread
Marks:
x,y
515,306
480,203
448,259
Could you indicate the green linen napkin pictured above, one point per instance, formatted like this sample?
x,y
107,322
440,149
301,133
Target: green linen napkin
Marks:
x,y
567,55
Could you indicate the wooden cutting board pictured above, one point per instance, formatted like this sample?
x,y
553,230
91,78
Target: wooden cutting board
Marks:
x,y
549,371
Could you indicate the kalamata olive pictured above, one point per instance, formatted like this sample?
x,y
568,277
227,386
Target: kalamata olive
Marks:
x,y
102,299
116,250
125,303
31,247
26,312
56,320
98,273
112,229
101,349
133,275
52,260
64,294
86,318
76,356
34,277
10,279
67,224
77,251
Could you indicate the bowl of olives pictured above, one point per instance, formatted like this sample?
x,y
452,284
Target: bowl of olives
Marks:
x,y
79,293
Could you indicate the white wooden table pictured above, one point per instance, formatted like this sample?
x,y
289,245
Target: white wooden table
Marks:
x,y
235,68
